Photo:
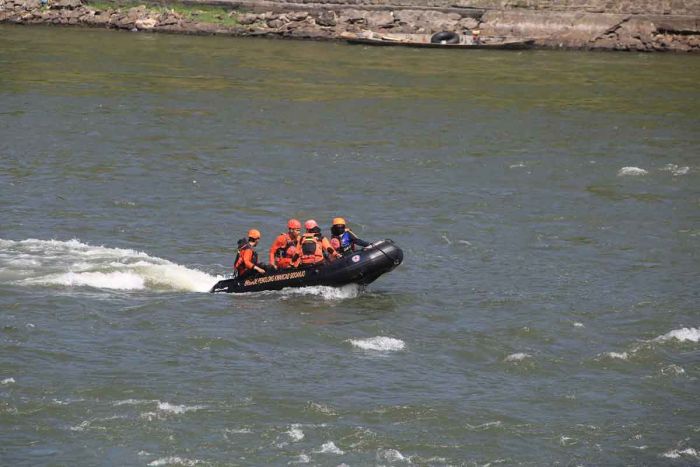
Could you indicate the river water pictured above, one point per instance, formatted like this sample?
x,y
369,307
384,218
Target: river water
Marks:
x,y
547,204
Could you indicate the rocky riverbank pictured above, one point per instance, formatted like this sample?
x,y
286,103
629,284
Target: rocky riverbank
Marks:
x,y
551,29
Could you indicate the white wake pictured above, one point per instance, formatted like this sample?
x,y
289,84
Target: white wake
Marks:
x,y
72,263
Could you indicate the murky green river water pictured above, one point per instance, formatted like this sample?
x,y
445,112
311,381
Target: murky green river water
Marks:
x,y
548,205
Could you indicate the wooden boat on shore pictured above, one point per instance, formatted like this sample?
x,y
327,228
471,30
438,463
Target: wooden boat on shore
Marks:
x,y
450,41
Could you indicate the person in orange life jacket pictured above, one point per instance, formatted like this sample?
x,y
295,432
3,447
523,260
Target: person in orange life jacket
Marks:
x,y
313,247
345,236
335,244
247,259
278,251
291,257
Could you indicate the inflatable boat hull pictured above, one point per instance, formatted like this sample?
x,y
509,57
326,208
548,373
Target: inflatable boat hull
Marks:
x,y
361,267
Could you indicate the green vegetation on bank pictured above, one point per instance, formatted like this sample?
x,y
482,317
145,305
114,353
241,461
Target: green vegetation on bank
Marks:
x,y
199,13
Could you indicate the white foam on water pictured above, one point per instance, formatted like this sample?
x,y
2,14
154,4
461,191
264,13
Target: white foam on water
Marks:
x,y
579,325
676,170
85,424
330,448
321,408
682,335
631,172
8,381
302,459
88,423
325,292
495,461
177,409
66,402
99,280
379,344
149,416
134,402
672,370
485,426
567,441
675,454
174,460
126,203
21,262
295,433
75,264
392,455
617,355
517,357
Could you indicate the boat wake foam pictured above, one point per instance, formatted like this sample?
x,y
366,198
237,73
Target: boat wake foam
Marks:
x,y
325,292
75,264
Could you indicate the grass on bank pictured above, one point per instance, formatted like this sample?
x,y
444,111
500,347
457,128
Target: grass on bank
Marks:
x,y
201,14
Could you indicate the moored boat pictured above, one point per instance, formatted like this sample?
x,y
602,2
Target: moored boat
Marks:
x,y
360,267
450,41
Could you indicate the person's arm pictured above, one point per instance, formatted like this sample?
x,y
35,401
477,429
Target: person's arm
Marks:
x,y
275,245
248,261
357,240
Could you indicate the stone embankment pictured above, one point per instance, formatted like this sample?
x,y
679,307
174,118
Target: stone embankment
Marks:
x,y
577,28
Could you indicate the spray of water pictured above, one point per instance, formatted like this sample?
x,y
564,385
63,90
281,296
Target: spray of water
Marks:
x,y
75,264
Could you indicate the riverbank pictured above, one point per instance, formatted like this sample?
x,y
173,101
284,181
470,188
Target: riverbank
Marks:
x,y
593,30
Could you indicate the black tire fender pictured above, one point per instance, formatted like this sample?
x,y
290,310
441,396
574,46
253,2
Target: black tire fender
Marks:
x,y
448,36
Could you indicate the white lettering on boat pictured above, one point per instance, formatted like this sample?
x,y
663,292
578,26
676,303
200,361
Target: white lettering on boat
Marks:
x,y
275,278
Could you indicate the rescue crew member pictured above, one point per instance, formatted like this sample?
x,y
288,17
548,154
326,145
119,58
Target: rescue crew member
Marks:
x,y
279,259
292,256
345,236
247,259
336,246
313,247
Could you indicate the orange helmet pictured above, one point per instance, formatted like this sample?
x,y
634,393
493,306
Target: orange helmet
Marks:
x,y
338,221
310,224
254,233
293,224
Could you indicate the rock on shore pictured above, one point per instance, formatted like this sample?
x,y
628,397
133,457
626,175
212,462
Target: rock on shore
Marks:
x,y
559,29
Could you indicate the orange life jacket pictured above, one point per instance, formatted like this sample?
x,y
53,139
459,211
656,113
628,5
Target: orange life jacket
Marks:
x,y
240,262
281,252
311,249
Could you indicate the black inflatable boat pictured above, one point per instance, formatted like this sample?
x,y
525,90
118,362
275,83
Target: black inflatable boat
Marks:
x,y
359,267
